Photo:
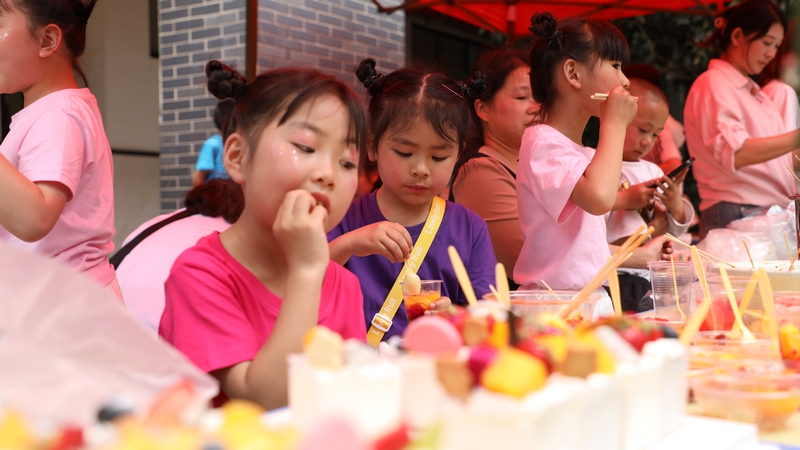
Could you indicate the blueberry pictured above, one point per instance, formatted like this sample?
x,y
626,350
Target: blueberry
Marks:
x,y
212,446
669,332
114,410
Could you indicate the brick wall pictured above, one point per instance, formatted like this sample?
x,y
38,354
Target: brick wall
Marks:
x,y
191,32
330,35
333,36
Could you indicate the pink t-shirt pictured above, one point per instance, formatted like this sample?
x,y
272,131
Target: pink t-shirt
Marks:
x,y
61,138
142,273
724,109
219,314
564,245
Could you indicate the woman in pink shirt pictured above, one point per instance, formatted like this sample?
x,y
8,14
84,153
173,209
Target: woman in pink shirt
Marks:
x,y
735,131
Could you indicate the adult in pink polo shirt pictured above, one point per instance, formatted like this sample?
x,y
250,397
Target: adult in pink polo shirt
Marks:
x,y
735,131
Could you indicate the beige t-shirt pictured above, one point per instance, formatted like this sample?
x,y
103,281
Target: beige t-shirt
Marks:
x,y
486,186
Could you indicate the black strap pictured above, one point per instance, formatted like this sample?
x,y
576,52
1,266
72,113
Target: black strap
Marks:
x,y
452,197
123,252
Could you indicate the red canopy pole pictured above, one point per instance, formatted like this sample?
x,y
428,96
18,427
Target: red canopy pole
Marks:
x,y
511,20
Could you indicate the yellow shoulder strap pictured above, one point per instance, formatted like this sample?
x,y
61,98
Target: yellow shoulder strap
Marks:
x,y
383,319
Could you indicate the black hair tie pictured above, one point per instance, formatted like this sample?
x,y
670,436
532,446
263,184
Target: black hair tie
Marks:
x,y
475,85
554,41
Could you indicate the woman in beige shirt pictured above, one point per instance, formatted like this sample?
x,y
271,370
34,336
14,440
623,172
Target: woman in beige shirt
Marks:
x,y
484,178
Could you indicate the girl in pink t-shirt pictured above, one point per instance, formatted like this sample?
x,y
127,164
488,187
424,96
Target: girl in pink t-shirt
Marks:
x,y
564,188
56,173
240,301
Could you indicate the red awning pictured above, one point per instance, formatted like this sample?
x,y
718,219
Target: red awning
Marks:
x,y
503,16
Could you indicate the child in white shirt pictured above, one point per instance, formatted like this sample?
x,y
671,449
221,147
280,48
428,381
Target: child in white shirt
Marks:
x,y
645,188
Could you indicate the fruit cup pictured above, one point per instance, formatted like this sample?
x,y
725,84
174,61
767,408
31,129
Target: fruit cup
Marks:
x,y
419,302
767,400
533,303
726,343
787,313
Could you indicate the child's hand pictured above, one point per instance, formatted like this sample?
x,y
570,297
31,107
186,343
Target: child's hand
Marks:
x,y
671,196
443,304
658,248
620,106
382,238
299,229
637,196
659,219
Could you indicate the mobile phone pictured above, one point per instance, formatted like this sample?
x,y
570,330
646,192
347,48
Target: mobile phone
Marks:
x,y
680,168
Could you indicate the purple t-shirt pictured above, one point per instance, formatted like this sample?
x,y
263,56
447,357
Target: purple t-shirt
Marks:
x,y
460,227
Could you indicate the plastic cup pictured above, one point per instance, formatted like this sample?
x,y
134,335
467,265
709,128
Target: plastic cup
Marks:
x,y
665,303
721,316
418,303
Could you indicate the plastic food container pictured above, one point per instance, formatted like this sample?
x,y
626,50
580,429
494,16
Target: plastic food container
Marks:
x,y
733,346
533,303
766,400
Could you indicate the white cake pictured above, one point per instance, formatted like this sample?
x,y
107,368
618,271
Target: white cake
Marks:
x,y
631,409
368,395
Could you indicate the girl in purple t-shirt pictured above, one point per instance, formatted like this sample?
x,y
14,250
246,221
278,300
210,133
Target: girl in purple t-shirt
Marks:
x,y
420,123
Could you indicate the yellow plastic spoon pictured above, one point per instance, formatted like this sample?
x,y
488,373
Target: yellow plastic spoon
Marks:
x,y
746,334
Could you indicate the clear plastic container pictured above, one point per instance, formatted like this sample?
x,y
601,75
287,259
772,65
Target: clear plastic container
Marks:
x,y
533,303
766,400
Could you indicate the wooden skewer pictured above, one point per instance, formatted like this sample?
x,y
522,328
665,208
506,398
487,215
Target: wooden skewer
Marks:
x,y
746,334
694,322
796,255
613,286
793,173
552,292
675,285
747,249
765,289
619,257
462,276
707,255
501,278
788,249
601,96
748,294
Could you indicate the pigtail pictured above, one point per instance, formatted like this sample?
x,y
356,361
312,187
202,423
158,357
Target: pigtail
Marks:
x,y
545,27
720,26
475,86
224,82
369,77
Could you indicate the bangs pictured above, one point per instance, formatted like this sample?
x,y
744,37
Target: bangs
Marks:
x,y
443,118
610,42
357,114
6,5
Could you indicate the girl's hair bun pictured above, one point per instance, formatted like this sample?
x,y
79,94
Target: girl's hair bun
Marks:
x,y
475,85
368,76
223,81
544,26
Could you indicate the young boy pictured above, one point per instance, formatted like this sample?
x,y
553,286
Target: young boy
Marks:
x,y
646,194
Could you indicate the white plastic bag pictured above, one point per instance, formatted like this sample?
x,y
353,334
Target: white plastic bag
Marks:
x,y
774,223
727,244
67,346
